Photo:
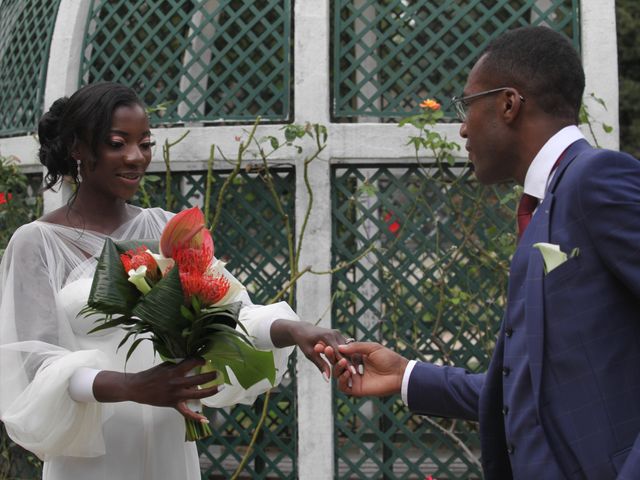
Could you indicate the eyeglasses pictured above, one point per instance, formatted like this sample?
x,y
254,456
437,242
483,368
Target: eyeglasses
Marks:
x,y
461,103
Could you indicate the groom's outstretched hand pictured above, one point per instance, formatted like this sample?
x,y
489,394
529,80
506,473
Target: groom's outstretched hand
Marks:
x,y
307,337
381,372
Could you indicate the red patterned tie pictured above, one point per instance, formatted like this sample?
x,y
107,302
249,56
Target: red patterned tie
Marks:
x,y
528,203
526,207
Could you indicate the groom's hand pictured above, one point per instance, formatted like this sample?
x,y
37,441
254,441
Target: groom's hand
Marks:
x,y
380,376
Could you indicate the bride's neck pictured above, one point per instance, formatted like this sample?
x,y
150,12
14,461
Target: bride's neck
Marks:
x,y
97,213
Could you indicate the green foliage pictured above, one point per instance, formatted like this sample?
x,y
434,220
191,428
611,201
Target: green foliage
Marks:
x,y
429,140
585,118
15,462
18,205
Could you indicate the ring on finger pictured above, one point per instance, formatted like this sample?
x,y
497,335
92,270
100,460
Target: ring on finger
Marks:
x,y
350,340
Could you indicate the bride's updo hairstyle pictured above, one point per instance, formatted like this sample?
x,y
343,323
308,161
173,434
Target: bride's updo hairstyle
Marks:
x,y
83,117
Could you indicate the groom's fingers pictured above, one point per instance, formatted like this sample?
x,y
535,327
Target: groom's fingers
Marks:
x,y
361,348
330,353
341,367
345,382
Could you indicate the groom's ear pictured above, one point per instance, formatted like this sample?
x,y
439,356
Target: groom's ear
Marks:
x,y
513,102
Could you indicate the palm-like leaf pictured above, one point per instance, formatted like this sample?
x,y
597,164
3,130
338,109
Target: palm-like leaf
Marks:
x,y
248,364
111,292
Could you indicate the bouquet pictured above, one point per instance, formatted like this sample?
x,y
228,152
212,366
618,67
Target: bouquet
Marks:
x,y
180,300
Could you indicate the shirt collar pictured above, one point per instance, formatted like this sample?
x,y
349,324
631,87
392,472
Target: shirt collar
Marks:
x,y
539,172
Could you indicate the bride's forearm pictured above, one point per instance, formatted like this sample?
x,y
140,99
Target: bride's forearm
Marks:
x,y
283,332
109,386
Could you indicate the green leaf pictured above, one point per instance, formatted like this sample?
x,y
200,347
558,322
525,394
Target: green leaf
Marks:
x,y
111,292
225,314
218,327
126,337
247,363
160,308
186,313
116,322
133,347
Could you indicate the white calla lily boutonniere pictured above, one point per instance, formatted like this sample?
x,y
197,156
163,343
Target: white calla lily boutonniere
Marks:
x,y
552,255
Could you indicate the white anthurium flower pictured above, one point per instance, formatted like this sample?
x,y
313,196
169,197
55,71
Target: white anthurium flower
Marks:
x,y
163,262
551,254
235,287
137,277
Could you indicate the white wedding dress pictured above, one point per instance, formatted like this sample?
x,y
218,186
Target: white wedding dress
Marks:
x,y
46,273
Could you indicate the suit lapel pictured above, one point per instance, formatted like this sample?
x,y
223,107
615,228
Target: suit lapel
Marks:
x,y
539,230
534,285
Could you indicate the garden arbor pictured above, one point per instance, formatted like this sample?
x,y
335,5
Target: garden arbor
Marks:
x,y
413,274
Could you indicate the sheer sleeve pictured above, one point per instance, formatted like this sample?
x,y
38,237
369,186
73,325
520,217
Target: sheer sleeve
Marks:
x,y
37,355
257,319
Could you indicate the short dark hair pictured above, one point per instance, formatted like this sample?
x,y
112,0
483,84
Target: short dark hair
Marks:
x,y
85,116
542,64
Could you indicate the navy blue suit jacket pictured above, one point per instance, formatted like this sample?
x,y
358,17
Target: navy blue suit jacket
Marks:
x,y
583,328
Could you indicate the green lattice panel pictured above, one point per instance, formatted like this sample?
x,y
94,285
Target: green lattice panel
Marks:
x,y
433,289
251,234
204,61
25,36
389,55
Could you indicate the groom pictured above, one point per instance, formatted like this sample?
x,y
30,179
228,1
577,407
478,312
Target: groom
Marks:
x,y
561,397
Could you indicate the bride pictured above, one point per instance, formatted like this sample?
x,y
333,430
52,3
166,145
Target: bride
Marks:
x,y
64,394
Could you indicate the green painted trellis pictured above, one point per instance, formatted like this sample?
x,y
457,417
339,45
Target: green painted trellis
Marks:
x,y
388,55
204,61
25,36
432,289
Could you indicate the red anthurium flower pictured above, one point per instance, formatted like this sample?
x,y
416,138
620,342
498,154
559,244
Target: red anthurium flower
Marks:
x,y
206,288
5,197
186,230
132,259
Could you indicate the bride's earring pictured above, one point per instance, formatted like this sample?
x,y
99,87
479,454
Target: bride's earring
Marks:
x,y
78,164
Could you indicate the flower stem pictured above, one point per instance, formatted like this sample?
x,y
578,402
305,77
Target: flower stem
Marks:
x,y
196,430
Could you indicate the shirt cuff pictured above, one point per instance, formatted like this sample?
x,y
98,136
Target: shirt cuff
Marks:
x,y
81,384
405,381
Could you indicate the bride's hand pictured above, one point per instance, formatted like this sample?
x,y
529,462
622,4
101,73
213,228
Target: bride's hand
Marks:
x,y
165,385
306,336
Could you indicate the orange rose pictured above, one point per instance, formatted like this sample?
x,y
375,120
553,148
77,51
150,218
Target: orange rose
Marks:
x,y
430,104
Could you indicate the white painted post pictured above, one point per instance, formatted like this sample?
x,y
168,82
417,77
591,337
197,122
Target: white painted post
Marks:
x,y
311,103
600,61
62,71
195,67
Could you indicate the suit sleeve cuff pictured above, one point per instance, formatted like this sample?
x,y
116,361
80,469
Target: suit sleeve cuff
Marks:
x,y
405,381
81,384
